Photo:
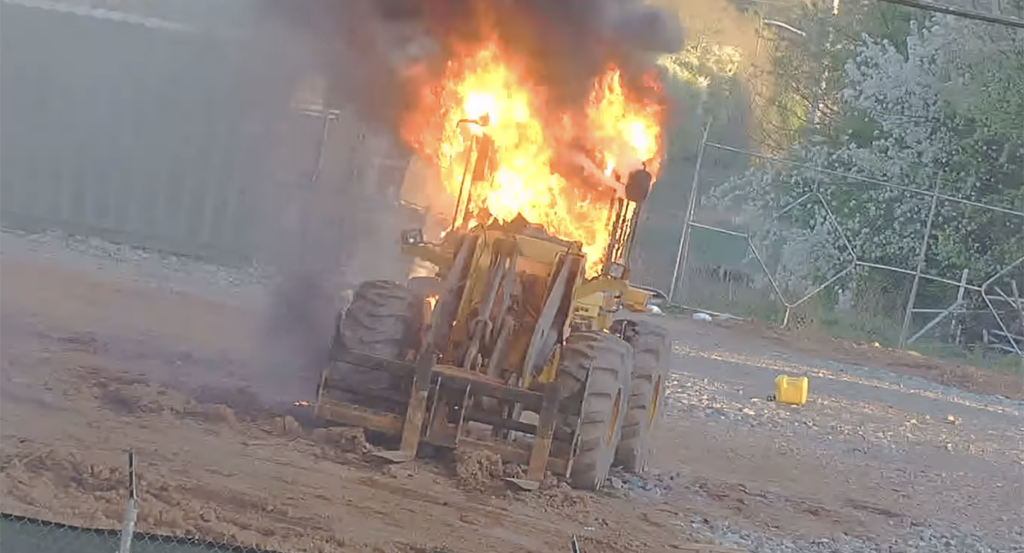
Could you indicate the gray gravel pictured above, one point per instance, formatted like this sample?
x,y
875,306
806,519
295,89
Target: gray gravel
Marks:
x,y
140,265
858,409
955,458
923,539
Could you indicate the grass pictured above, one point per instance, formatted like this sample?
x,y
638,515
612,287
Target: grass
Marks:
x,y
814,316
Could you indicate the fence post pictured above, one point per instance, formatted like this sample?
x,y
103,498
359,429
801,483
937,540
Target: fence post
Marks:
x,y
954,329
130,510
1018,302
921,257
684,239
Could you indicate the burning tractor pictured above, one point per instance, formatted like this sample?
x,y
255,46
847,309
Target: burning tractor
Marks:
x,y
514,326
514,345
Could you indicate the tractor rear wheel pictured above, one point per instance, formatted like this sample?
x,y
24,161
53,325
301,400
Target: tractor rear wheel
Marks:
x,y
607,361
385,318
651,355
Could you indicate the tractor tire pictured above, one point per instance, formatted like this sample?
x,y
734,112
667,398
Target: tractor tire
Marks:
x,y
384,319
651,355
609,362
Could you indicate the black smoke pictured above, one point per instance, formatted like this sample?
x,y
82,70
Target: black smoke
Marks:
x,y
566,44
347,230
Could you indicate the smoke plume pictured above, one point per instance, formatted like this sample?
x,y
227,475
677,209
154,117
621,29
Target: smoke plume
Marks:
x,y
366,50
368,47
566,44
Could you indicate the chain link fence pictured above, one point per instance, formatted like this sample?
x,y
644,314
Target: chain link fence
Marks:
x,y
20,534
766,265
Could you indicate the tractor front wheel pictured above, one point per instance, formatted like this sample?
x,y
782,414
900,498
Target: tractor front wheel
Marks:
x,y
594,372
385,319
651,355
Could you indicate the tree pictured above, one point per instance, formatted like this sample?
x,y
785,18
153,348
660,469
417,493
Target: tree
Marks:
x,y
940,107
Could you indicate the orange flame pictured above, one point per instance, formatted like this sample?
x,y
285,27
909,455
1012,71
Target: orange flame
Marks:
x,y
614,132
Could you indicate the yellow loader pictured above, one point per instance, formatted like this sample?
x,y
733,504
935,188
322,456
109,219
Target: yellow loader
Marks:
x,y
510,347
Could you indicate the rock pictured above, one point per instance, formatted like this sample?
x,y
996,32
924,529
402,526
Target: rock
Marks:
x,y
476,469
291,427
344,439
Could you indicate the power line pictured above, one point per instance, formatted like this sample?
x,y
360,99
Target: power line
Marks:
x,y
99,13
968,14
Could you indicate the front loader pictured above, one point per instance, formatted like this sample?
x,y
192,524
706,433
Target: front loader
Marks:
x,y
509,326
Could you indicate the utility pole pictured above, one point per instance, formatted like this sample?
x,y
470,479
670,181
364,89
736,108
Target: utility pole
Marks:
x,y
958,12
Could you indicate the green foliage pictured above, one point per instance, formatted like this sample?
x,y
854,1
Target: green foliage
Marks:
x,y
903,97
807,71
702,82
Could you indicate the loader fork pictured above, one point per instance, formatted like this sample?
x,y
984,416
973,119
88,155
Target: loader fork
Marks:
x,y
412,427
493,345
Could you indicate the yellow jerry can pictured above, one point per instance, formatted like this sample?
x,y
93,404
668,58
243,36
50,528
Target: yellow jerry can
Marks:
x,y
791,389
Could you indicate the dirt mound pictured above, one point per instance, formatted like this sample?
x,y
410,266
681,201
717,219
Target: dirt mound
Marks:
x,y
66,487
555,495
218,414
285,426
477,469
38,476
344,439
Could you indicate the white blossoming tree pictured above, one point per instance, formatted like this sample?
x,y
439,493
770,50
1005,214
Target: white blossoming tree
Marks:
x,y
939,108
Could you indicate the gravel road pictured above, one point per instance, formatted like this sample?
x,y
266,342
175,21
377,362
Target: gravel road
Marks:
x,y
922,467
877,461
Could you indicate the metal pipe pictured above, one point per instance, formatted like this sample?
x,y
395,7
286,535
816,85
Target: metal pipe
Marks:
x,y
684,240
921,257
619,207
1017,299
960,299
903,271
131,512
999,319
314,178
785,26
1003,326
999,275
462,184
321,146
634,221
938,319
868,180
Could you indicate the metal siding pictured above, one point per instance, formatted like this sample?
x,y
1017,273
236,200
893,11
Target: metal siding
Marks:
x,y
144,135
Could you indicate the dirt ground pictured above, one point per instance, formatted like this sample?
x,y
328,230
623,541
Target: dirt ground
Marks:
x,y
94,365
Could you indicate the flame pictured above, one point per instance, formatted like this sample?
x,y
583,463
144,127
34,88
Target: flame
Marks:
x,y
302,404
625,131
485,85
432,300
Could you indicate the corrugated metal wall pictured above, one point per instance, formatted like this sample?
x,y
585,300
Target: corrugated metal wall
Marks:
x,y
154,134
